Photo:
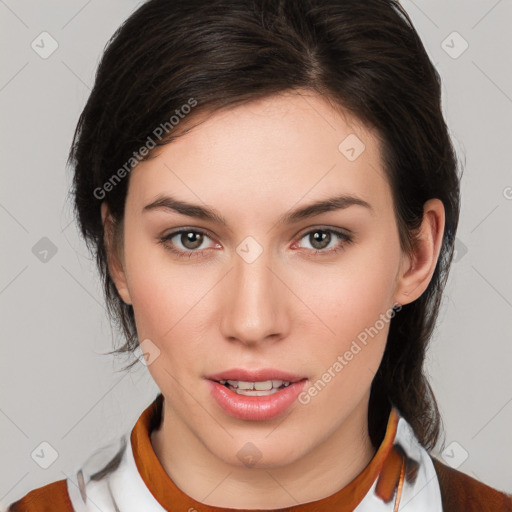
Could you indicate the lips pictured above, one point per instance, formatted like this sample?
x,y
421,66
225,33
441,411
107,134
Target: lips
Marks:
x,y
253,404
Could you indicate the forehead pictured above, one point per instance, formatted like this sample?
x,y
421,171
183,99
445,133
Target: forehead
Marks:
x,y
278,150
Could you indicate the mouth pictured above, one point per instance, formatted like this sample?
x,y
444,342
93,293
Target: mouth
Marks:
x,y
255,394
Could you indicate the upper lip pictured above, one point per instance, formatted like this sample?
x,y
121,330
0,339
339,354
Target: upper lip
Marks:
x,y
259,375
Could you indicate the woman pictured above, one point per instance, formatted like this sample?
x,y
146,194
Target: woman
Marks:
x,y
272,196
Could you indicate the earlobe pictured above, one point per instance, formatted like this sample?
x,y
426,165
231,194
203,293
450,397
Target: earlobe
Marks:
x,y
419,267
114,258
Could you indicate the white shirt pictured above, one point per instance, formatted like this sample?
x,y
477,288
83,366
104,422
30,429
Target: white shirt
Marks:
x,y
121,488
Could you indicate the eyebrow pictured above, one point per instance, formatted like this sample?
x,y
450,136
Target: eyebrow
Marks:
x,y
311,210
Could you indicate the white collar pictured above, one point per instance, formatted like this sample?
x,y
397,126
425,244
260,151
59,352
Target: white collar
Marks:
x,y
122,489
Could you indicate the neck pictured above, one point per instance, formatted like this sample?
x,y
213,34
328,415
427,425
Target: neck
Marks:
x,y
327,468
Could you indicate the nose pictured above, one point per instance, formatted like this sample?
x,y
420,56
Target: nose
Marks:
x,y
255,302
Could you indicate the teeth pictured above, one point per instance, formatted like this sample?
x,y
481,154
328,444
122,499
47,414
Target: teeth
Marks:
x,y
242,384
254,392
255,387
264,386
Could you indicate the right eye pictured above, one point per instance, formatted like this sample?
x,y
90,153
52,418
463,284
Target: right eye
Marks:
x,y
189,239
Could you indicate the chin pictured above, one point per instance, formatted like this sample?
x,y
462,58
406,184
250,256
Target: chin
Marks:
x,y
258,452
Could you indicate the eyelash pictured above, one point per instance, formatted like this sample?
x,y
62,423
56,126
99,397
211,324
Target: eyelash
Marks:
x,y
346,239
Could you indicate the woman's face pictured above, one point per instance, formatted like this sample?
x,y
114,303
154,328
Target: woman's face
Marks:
x,y
306,295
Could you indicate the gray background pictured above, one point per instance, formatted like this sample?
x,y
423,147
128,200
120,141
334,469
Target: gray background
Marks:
x,y
58,388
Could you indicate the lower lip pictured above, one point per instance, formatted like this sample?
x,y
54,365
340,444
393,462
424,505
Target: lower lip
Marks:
x,y
255,408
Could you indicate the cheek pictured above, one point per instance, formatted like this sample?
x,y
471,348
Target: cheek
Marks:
x,y
353,295
161,303
156,287
355,302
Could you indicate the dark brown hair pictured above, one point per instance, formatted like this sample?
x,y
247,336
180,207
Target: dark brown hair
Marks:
x,y
364,57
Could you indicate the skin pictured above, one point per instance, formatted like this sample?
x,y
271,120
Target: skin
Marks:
x,y
289,309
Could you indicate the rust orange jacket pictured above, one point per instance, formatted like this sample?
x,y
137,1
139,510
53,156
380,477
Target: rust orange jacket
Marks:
x,y
401,475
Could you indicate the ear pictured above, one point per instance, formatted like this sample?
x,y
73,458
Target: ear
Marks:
x,y
115,259
418,268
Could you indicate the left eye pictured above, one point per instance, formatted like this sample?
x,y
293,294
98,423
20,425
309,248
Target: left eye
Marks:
x,y
321,238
